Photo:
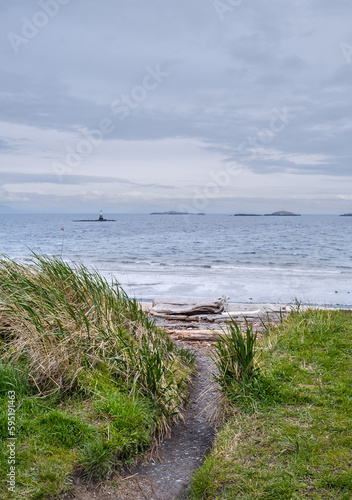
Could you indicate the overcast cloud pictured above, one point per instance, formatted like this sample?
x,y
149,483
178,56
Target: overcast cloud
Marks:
x,y
212,105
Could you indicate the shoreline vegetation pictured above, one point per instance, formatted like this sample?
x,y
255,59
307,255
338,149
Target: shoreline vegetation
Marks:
x,y
287,431
96,382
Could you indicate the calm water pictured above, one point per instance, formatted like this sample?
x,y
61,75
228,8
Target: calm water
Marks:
x,y
250,259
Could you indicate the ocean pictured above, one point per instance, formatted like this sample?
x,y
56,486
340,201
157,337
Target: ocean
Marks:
x,y
249,259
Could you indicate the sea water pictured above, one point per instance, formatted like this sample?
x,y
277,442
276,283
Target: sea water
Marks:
x,y
249,259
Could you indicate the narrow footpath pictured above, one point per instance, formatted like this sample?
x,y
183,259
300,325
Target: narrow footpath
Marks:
x,y
168,476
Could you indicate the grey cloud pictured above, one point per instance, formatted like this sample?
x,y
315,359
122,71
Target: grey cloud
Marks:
x,y
342,7
8,146
21,178
226,78
342,76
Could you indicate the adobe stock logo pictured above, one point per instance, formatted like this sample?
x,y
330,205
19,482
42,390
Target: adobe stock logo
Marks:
x,y
223,7
40,19
346,50
250,149
121,108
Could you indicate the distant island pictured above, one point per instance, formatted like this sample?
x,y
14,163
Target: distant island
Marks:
x,y
283,213
246,215
173,212
346,215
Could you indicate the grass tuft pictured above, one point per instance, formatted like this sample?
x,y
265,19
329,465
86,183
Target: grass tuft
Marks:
x,y
234,357
97,459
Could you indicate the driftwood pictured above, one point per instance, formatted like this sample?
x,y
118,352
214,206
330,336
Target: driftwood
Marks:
x,y
239,317
250,316
174,309
196,318
195,335
202,335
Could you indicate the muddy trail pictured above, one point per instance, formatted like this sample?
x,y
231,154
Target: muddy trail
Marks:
x,y
167,476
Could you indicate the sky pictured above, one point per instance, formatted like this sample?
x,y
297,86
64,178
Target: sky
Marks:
x,y
215,106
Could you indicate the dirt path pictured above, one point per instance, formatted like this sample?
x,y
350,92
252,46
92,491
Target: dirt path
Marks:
x,y
168,478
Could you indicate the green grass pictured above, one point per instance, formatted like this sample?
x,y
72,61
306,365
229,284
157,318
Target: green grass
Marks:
x,y
95,380
293,440
234,358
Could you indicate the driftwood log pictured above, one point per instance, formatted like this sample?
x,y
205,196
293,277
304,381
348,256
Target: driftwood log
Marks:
x,y
196,335
201,335
181,310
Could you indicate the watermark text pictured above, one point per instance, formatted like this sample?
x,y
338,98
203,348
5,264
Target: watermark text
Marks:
x,y
31,27
122,108
11,445
224,7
